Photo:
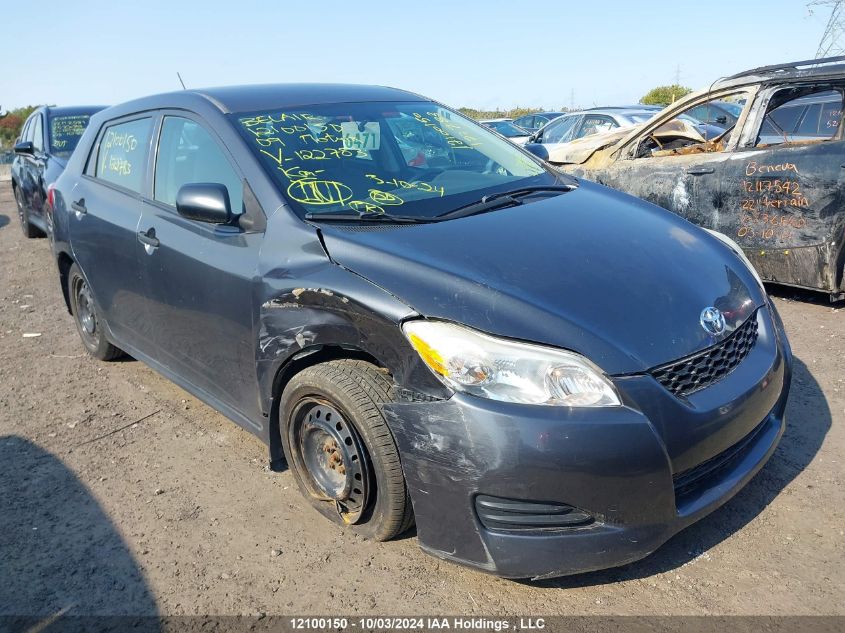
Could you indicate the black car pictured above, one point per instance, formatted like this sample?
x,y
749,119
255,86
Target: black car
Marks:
x,y
546,375
47,140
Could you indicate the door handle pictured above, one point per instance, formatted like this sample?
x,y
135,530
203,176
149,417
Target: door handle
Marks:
x,y
79,206
700,171
149,238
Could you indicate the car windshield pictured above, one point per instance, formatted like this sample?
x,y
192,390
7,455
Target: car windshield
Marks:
x,y
415,159
506,128
734,109
65,132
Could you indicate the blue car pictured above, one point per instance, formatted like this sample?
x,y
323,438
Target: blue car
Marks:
x,y
423,322
48,138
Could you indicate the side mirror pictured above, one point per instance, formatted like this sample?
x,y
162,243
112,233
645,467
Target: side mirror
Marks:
x,y
24,147
204,202
538,150
722,119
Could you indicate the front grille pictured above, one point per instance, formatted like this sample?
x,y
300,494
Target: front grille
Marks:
x,y
690,374
512,514
688,481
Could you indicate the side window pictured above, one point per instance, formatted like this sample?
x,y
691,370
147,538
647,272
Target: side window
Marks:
x,y
188,154
558,131
123,153
25,131
595,124
37,134
806,117
685,133
525,122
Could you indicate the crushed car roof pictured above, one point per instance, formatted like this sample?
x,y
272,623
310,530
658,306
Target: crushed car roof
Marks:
x,y
815,68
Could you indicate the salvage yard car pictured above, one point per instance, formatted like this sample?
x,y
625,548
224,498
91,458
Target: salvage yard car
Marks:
x,y
442,342
536,120
773,181
506,128
47,140
552,142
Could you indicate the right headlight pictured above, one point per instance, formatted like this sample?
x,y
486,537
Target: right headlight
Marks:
x,y
509,371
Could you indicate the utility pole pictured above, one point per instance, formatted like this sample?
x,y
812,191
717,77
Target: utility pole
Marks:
x,y
832,42
678,75
572,100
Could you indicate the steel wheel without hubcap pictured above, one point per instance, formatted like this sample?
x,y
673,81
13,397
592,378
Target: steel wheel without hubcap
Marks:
x,y
339,447
84,311
333,457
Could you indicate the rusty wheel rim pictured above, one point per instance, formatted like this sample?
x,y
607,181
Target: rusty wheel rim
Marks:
x,y
332,457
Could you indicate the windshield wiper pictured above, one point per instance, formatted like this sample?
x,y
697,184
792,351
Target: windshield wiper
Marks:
x,y
346,215
502,199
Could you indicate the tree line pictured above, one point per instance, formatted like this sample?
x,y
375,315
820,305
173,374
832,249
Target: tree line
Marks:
x,y
11,123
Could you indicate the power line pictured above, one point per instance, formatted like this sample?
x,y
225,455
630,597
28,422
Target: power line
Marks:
x,y
832,42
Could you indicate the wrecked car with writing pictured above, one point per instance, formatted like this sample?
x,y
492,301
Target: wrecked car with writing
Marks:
x,y
772,180
424,321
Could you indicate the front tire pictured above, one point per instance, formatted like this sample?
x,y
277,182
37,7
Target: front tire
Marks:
x,y
88,323
29,231
340,450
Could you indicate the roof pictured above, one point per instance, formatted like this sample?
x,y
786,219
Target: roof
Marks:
x,y
804,69
250,98
72,110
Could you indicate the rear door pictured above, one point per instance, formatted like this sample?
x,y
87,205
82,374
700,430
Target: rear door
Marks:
x,y
103,227
784,186
200,276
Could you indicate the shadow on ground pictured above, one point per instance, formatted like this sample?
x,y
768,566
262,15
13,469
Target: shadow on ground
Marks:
x,y
60,554
804,296
4,220
808,421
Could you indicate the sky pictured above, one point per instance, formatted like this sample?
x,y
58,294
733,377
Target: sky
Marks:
x,y
482,54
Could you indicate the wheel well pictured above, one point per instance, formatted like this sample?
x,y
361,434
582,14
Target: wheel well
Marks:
x,y
64,262
304,359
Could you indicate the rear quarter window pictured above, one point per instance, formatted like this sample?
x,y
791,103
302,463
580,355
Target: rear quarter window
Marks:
x,y
122,153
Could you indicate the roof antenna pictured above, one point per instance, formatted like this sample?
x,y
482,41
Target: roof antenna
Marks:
x,y
180,80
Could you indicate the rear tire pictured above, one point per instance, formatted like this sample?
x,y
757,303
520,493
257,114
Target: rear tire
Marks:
x,y
88,323
340,450
29,231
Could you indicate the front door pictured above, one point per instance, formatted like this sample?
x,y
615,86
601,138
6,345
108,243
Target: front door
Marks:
x,y
786,188
200,276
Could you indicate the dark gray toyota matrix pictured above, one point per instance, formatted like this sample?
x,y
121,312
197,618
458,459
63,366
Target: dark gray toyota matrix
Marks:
x,y
424,322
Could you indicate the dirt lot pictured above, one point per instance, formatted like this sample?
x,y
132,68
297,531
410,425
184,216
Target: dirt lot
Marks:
x,y
177,513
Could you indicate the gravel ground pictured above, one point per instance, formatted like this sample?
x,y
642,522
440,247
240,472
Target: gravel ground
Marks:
x,y
122,494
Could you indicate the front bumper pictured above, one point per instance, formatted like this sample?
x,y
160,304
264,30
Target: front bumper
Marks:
x,y
644,471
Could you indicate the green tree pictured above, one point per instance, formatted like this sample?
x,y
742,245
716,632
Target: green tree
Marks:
x,y
664,95
513,113
11,124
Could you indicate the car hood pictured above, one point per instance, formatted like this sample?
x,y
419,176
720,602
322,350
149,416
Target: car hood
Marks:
x,y
614,278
